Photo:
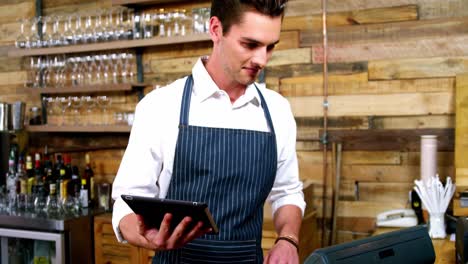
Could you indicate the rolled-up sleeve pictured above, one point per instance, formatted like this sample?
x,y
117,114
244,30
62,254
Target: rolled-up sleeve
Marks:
x,y
287,188
138,171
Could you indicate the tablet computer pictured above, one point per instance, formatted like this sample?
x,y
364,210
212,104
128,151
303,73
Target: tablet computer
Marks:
x,y
153,210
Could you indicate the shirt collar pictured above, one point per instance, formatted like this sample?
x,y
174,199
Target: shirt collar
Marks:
x,y
204,87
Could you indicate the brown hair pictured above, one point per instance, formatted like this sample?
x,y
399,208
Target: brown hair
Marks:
x,y
230,12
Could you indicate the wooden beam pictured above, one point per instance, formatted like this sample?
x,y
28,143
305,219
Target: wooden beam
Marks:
x,y
387,32
357,83
408,104
461,130
428,9
390,139
406,48
417,68
413,122
184,65
305,69
355,17
62,142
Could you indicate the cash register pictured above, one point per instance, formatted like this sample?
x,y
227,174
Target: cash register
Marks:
x,y
409,245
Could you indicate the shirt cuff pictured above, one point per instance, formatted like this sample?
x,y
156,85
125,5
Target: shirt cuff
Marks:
x,y
296,199
120,210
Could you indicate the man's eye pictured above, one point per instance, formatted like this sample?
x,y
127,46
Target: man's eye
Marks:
x,y
250,45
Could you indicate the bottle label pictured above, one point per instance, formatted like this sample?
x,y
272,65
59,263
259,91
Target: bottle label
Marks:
x,y
23,186
84,198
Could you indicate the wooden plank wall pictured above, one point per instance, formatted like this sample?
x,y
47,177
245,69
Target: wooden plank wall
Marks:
x,y
392,65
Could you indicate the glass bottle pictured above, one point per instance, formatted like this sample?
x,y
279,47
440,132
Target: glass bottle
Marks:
x,y
23,180
84,194
11,182
89,179
52,203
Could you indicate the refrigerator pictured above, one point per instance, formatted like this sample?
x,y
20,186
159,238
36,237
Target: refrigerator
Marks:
x,y
69,239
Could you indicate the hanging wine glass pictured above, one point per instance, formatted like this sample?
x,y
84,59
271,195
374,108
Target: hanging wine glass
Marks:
x,y
21,39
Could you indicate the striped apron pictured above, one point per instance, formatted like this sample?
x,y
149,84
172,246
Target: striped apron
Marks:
x,y
232,170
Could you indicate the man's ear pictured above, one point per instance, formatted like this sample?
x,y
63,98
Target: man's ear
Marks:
x,y
216,29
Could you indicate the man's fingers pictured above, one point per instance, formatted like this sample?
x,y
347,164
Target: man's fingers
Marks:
x,y
141,228
179,232
197,231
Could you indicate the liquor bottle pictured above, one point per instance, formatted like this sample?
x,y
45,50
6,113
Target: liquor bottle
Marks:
x,y
30,174
11,181
89,176
84,194
38,170
59,174
64,179
23,180
52,203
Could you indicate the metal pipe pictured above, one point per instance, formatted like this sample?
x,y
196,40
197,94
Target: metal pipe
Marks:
x,y
338,150
325,118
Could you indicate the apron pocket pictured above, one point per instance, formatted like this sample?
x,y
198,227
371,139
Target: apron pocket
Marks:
x,y
212,251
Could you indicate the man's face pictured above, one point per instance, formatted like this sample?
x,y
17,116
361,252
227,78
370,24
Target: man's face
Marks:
x,y
248,46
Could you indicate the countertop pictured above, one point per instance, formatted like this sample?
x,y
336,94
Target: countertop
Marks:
x,y
32,221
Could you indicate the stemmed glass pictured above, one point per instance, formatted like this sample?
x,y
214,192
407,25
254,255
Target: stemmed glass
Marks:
x,y
90,104
46,36
34,39
56,37
115,61
21,40
76,103
68,34
78,33
64,103
109,28
103,102
120,30
88,33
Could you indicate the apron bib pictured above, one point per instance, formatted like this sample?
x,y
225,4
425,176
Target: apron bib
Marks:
x,y
232,170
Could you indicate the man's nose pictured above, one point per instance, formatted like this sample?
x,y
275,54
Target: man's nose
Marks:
x,y
261,57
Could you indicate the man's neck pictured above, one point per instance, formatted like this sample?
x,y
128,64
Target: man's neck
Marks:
x,y
231,87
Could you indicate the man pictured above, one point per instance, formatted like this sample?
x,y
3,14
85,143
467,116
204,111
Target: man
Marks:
x,y
217,137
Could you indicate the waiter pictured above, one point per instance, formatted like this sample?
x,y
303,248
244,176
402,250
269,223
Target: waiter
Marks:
x,y
217,137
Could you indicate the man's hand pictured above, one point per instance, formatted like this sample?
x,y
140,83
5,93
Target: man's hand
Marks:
x,y
136,233
282,252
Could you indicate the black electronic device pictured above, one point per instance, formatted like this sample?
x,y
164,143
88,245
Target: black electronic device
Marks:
x,y
153,210
461,243
410,245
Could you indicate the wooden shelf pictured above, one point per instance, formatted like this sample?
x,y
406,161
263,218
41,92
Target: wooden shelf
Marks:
x,y
90,129
143,2
111,45
89,88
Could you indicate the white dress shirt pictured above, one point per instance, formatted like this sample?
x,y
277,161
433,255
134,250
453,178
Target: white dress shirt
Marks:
x,y
146,167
